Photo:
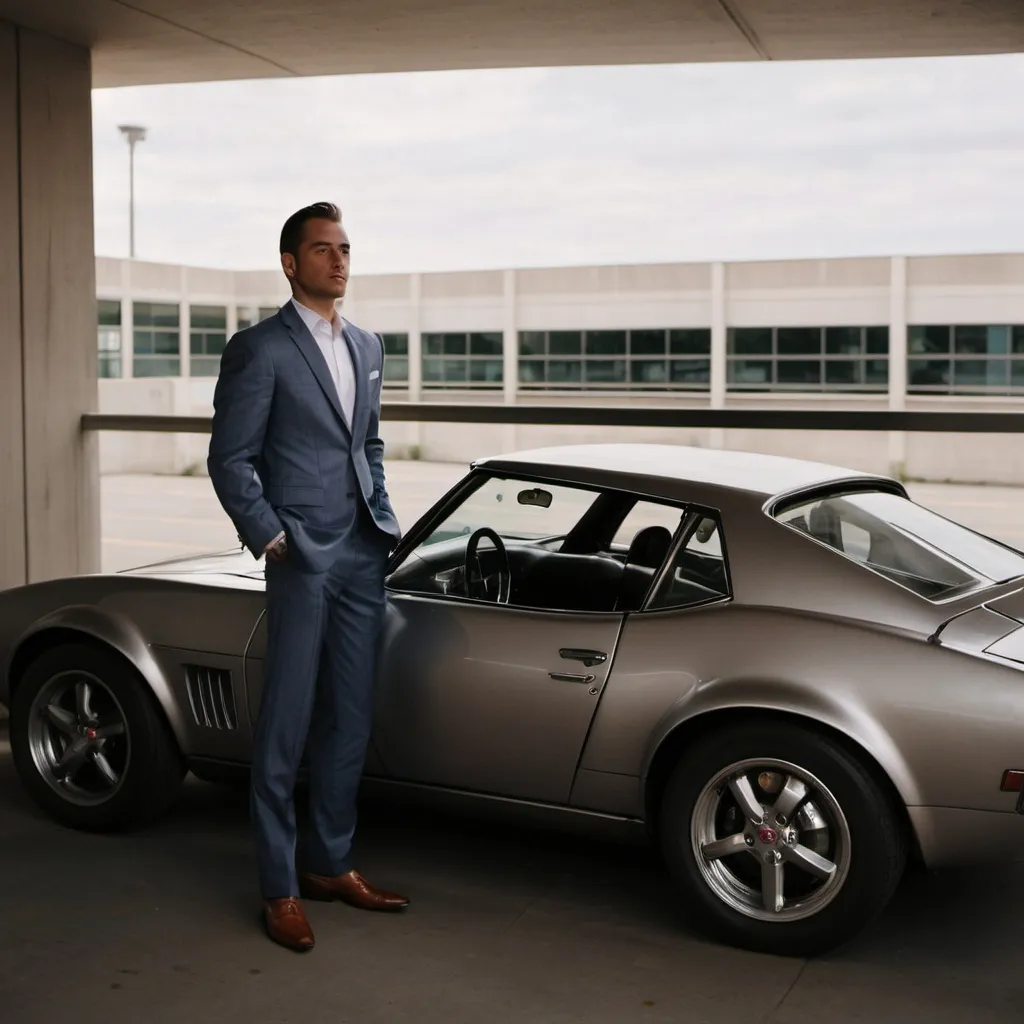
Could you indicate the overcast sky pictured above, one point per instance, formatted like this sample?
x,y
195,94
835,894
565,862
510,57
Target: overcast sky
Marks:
x,y
462,170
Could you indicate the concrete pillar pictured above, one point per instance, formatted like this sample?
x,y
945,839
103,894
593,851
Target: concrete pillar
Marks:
x,y
718,348
510,356
127,321
49,495
184,326
897,359
417,430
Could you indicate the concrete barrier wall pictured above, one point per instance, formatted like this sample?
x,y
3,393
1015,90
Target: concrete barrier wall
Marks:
x,y
995,459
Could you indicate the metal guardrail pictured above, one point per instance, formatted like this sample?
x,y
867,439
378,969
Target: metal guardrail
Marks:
x,y
628,416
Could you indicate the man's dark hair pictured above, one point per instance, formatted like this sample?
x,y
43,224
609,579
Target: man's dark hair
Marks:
x,y
291,233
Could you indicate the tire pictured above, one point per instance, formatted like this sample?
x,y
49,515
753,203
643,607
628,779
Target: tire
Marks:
x,y
724,893
46,722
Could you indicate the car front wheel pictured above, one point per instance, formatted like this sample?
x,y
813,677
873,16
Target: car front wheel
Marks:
x,y
89,743
779,840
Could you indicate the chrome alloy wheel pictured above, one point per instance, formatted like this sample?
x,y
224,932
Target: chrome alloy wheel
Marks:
x,y
770,840
78,738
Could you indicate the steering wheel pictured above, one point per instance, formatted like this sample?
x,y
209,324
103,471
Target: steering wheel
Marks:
x,y
480,586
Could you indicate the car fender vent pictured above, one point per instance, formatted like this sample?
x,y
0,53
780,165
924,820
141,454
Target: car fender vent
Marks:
x,y
211,697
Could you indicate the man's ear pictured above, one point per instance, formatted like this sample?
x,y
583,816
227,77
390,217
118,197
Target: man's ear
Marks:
x,y
288,265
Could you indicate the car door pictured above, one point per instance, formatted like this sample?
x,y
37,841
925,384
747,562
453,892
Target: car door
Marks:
x,y
489,698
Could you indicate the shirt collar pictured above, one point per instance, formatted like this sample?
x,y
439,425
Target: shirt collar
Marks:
x,y
312,320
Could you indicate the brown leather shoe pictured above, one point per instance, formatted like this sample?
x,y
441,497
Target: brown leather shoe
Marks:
x,y
353,889
287,924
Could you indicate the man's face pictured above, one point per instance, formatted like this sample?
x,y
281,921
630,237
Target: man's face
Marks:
x,y
322,266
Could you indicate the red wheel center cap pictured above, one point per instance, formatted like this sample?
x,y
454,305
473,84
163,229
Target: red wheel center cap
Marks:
x,y
90,734
768,835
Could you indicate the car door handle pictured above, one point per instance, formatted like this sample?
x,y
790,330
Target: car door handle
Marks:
x,y
588,658
571,677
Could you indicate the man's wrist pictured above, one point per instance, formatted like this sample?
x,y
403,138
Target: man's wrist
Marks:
x,y
273,543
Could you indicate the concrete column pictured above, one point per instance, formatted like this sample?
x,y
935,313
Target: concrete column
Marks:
x,y
510,357
184,326
416,430
718,348
49,495
897,359
127,321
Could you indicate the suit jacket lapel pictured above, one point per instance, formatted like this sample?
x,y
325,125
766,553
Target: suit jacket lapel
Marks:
x,y
359,370
312,354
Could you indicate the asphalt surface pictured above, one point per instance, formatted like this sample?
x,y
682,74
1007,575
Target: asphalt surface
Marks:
x,y
506,925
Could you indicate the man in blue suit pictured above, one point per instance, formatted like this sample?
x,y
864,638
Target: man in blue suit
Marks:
x,y
297,463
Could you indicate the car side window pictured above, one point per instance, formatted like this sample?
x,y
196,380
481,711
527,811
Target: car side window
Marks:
x,y
698,572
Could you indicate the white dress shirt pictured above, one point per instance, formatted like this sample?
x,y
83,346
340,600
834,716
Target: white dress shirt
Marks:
x,y
331,342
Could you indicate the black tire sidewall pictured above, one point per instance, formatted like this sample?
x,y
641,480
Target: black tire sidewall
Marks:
x,y
877,846
154,763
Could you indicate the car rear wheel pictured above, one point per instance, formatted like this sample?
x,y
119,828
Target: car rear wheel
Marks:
x,y
779,840
89,743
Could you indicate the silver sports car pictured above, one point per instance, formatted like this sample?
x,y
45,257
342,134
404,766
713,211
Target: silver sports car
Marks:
x,y
790,676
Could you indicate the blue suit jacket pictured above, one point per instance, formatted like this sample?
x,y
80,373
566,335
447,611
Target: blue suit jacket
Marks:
x,y
281,455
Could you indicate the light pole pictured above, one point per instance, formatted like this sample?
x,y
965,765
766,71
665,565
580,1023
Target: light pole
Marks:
x,y
133,133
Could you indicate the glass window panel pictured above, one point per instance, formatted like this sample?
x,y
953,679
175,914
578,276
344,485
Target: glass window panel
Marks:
x,y
1017,340
565,343
268,311
565,371
486,370
490,344
749,371
799,341
243,318
455,344
433,372
108,339
877,371
108,313
109,366
690,371
844,371
433,344
928,339
395,344
165,343
1017,373
648,371
155,314
396,369
686,341
841,341
798,371
973,373
878,340
532,343
142,343
151,366
606,343
992,340
204,366
531,371
923,373
750,341
215,317
647,343
456,370
605,371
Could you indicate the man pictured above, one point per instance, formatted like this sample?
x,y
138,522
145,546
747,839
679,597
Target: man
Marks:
x,y
297,463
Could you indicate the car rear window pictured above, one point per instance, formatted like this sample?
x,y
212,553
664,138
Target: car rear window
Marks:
x,y
906,542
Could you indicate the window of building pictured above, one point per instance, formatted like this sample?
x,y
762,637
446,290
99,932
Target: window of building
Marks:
x,y
108,335
156,339
965,359
652,359
463,360
249,315
808,358
207,338
396,359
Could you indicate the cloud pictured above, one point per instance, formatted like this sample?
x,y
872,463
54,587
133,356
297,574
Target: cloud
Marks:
x,y
537,167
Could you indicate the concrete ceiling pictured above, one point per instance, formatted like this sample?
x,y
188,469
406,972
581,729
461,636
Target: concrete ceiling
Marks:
x,y
137,42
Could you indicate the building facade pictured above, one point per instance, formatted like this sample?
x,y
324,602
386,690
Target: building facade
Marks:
x,y
935,333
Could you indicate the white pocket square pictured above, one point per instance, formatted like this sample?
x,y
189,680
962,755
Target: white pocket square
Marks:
x,y
374,374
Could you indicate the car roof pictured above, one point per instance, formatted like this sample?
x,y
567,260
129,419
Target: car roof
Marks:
x,y
752,473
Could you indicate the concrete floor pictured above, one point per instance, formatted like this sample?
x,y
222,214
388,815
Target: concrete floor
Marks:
x,y
161,926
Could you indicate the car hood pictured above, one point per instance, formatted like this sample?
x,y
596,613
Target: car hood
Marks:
x,y
223,563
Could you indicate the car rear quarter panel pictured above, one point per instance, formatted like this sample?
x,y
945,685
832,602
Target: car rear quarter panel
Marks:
x,y
941,724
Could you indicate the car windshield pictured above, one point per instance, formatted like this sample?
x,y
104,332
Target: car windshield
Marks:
x,y
911,545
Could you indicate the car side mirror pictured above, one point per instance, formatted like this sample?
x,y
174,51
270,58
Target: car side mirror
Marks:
x,y
536,497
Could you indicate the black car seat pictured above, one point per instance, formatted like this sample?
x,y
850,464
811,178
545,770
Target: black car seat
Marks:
x,y
647,551
824,524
